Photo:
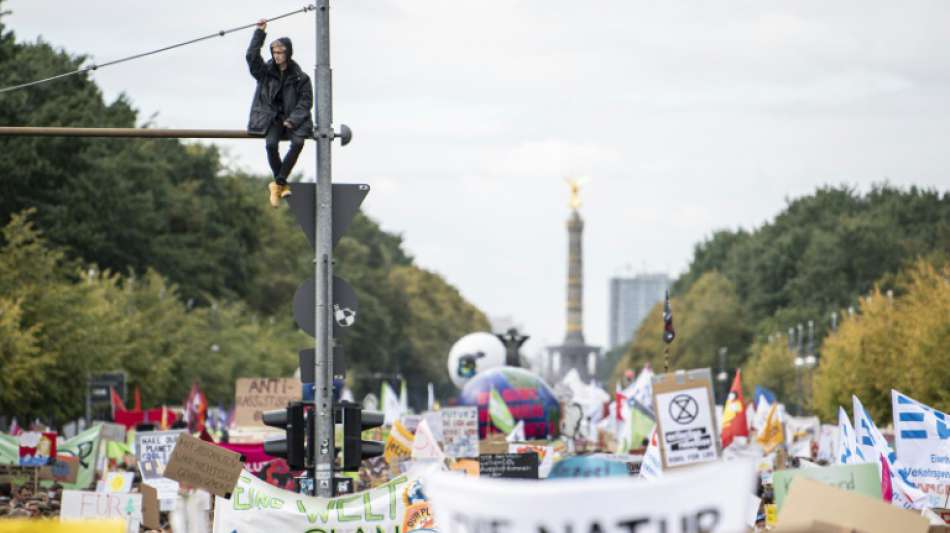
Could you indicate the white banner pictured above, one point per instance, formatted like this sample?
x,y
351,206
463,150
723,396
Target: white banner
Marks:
x,y
708,498
397,505
922,439
86,505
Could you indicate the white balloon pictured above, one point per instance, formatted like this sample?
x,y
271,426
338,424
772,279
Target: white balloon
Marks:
x,y
474,353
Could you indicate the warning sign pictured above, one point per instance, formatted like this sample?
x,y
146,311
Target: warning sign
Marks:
x,y
686,425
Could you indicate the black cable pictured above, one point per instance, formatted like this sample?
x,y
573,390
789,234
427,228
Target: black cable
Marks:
x,y
221,33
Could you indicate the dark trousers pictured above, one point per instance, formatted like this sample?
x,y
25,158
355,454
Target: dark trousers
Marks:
x,y
281,169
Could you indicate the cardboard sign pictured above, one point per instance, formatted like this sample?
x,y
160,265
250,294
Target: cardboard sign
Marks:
x,y
460,431
707,498
16,475
509,465
84,505
150,510
686,423
64,470
204,465
810,501
862,478
253,396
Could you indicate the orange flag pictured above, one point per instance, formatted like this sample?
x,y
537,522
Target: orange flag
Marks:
x,y
733,413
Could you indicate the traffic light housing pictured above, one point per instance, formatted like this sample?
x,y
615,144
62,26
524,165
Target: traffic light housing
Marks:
x,y
293,447
355,421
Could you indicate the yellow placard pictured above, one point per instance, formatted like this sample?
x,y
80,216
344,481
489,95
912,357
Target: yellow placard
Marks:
x,y
771,514
55,526
398,444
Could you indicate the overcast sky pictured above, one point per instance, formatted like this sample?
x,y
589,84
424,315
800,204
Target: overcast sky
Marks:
x,y
687,116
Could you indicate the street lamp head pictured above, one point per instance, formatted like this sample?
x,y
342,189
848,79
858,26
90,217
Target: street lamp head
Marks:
x,y
722,376
799,362
811,361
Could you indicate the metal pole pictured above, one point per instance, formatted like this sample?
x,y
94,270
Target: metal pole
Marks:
x,y
323,360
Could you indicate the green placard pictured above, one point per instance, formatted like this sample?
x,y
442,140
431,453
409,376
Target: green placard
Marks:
x,y
862,479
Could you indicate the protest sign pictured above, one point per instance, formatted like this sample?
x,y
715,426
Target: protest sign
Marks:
x,y
85,448
545,456
153,449
468,466
65,469
509,465
587,466
204,465
861,478
113,432
434,419
399,445
257,506
46,526
150,511
811,501
118,482
922,442
460,431
85,505
253,396
37,448
16,475
708,498
424,446
683,404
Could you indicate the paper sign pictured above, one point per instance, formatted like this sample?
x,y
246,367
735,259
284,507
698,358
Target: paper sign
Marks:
x,y
118,482
811,501
204,465
253,396
861,478
545,456
83,505
36,448
424,446
153,449
708,498
460,431
257,506
686,425
509,465
113,432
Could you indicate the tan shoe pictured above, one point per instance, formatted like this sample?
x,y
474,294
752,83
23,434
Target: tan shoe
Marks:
x,y
285,191
274,194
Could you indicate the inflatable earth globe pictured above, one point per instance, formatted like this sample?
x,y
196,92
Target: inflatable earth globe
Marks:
x,y
527,396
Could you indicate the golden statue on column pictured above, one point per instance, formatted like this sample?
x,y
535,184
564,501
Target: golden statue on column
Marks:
x,y
575,185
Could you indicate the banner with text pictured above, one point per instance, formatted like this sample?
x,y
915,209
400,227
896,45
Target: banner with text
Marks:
x,y
922,442
398,505
708,498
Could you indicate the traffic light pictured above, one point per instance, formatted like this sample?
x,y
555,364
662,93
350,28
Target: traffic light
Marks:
x,y
355,421
293,420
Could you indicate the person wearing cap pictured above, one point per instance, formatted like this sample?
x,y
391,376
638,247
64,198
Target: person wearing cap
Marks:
x,y
281,106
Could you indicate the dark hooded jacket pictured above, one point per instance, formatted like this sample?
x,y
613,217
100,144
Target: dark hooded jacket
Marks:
x,y
293,89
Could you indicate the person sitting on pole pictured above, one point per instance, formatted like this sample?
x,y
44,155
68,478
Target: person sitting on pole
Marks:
x,y
281,106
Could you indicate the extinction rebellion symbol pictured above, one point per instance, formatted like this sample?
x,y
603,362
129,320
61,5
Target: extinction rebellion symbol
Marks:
x,y
683,409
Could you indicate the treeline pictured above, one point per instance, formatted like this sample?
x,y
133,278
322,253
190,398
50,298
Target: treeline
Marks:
x,y
152,257
822,255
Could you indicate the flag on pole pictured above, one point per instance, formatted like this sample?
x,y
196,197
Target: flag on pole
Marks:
x,y
772,435
392,409
430,396
847,452
733,413
117,403
668,332
403,397
196,409
517,434
138,399
499,413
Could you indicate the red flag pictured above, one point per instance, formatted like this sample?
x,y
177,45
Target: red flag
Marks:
x,y
733,413
887,490
138,399
117,403
196,407
619,397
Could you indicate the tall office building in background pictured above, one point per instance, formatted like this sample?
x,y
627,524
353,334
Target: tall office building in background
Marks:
x,y
631,298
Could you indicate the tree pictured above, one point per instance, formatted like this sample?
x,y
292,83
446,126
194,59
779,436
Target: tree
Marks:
x,y
892,342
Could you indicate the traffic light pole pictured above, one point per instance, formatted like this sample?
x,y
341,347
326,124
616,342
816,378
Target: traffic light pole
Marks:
x,y
323,259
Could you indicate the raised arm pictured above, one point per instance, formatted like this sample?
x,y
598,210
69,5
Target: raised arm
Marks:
x,y
254,60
